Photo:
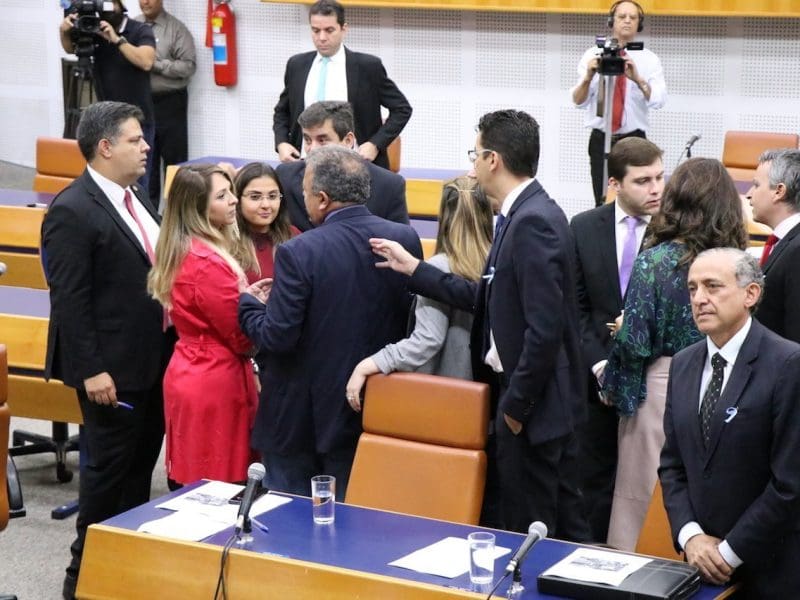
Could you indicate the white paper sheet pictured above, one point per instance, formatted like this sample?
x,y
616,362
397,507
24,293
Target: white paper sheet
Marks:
x,y
598,566
184,525
447,558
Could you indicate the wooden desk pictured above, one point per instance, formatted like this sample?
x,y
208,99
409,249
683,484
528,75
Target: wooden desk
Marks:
x,y
21,215
24,317
297,559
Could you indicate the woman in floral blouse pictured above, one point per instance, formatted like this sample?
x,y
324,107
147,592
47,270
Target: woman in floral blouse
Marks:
x,y
701,209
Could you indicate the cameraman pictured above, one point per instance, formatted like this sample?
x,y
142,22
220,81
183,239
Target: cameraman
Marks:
x,y
124,53
641,89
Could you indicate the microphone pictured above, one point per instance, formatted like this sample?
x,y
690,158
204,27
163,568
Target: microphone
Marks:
x,y
536,531
692,140
3,268
255,473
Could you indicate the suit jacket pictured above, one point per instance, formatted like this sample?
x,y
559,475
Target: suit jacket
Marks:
x,y
328,309
368,88
387,194
744,487
527,298
779,307
101,316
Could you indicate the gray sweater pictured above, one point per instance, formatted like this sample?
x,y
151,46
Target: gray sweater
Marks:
x,y
439,344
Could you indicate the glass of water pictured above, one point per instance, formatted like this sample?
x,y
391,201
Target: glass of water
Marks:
x,y
481,557
323,498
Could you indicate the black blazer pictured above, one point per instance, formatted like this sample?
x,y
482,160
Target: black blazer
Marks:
x,y
101,316
387,195
780,306
368,88
527,297
328,309
745,487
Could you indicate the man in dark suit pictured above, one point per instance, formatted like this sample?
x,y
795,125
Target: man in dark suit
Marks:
x,y
732,453
106,336
334,72
525,335
331,122
775,198
329,308
607,240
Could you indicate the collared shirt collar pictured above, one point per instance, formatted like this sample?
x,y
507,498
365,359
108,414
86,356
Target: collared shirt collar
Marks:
x,y
620,214
731,348
512,197
335,58
786,226
114,191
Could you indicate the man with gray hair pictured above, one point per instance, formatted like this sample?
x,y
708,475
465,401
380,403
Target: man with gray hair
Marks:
x,y
732,423
328,308
775,198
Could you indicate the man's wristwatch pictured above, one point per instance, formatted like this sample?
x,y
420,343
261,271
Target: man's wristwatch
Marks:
x,y
121,40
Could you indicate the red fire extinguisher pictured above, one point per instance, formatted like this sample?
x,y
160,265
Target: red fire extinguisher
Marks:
x,y
223,27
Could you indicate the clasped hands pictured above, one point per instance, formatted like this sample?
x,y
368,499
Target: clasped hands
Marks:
x,y
259,289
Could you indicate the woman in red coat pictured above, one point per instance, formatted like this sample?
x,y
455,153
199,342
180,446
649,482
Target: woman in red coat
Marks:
x,y
262,215
210,393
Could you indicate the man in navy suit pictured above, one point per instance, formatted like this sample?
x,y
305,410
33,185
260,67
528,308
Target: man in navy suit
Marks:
x,y
732,453
328,308
775,198
334,72
331,122
525,335
106,337
607,240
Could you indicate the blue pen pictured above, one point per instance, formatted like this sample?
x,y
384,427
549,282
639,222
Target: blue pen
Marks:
x,y
260,525
125,405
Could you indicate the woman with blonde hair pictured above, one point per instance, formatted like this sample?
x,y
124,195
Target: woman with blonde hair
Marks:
x,y
439,342
210,393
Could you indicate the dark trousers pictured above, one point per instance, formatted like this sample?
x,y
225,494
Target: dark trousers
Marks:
x,y
597,439
596,152
539,482
119,448
171,143
292,474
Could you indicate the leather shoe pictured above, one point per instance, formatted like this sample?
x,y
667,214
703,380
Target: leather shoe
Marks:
x,y
70,583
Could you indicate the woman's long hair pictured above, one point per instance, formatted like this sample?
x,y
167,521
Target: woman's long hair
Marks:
x,y
700,207
465,227
280,229
186,217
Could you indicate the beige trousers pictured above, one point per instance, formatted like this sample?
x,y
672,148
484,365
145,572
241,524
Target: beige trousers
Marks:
x,y
640,439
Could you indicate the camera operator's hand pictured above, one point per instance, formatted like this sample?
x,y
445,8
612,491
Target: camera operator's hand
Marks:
x,y
65,31
632,73
108,33
68,22
591,68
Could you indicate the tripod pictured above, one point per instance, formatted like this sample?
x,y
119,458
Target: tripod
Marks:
x,y
610,82
78,93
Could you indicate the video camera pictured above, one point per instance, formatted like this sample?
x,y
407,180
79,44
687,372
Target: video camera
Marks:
x,y
611,63
87,25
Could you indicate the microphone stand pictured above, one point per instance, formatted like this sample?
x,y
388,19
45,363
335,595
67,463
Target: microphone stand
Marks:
x,y
516,588
245,538
608,107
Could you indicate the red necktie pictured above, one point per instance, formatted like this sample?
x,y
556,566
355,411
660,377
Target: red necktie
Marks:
x,y
618,107
128,200
771,241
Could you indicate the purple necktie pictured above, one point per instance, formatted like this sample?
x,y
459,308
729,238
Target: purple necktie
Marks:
x,y
628,254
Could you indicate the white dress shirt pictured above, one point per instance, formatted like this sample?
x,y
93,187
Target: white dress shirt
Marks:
x,y
635,114
492,357
335,80
785,226
730,351
116,194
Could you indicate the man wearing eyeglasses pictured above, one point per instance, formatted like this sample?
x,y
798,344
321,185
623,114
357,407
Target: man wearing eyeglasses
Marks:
x,y
525,338
640,89
331,122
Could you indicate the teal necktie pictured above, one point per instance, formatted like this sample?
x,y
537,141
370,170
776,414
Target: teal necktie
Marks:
x,y
323,78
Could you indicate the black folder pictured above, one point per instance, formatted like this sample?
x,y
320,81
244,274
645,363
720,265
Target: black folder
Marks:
x,y
660,579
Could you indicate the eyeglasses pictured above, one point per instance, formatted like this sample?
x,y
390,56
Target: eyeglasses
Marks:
x,y
473,154
258,196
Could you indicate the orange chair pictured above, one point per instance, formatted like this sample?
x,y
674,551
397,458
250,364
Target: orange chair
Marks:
x,y
393,151
742,148
58,162
422,450
655,538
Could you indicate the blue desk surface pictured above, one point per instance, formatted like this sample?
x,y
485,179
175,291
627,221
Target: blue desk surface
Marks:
x,y
408,173
24,197
27,302
367,540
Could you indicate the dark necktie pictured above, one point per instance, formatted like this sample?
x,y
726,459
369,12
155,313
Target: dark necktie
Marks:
x,y
711,396
498,226
768,246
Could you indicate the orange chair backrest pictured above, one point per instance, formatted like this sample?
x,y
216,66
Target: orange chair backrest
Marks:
x,y
655,539
58,162
393,152
742,148
5,421
422,450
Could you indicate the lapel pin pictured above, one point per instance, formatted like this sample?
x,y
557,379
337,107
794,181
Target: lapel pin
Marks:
x,y
731,411
489,276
